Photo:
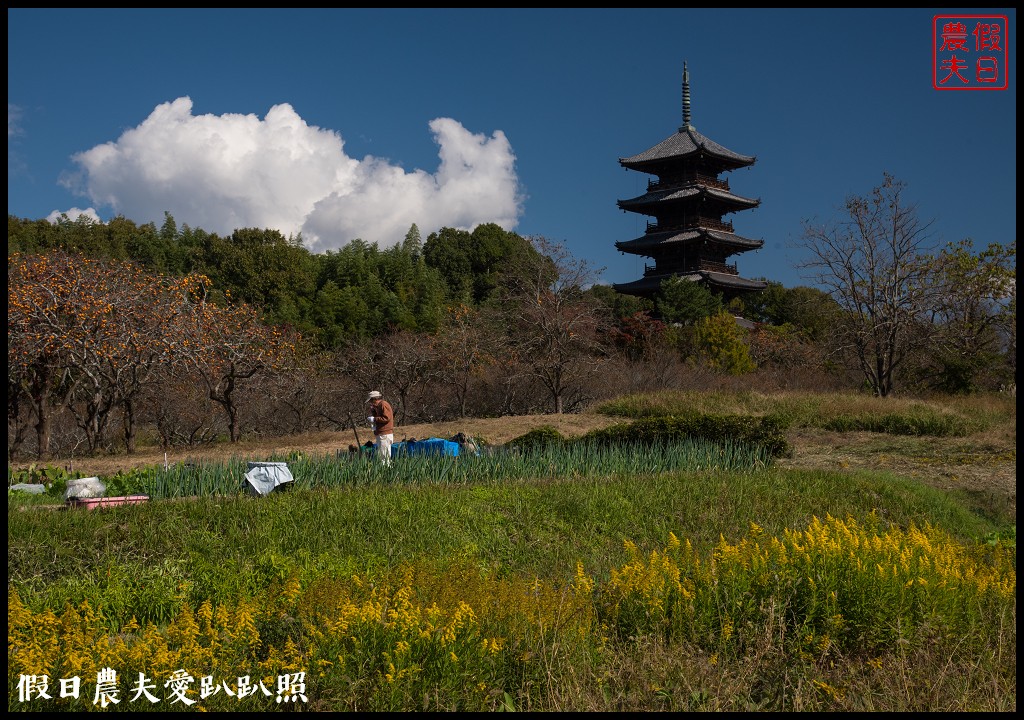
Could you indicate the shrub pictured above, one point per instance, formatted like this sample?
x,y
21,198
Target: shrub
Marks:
x,y
766,431
537,438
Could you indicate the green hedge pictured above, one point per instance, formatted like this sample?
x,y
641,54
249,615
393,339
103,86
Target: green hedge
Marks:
x,y
762,431
765,431
542,436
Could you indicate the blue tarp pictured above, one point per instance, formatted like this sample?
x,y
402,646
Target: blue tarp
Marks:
x,y
430,446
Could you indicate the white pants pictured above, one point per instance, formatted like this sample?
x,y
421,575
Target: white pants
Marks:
x,y
384,447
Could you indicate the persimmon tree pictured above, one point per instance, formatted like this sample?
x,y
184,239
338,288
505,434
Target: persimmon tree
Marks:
x,y
140,331
45,296
227,345
90,335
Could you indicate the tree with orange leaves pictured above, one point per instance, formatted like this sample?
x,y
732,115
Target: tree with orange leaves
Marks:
x,y
138,335
91,335
43,301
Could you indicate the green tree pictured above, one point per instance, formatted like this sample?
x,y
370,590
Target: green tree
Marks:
x,y
685,302
619,305
720,344
264,269
413,244
971,326
805,309
448,252
495,255
28,237
382,280
476,265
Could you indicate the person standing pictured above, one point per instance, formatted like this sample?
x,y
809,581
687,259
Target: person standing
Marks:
x,y
382,418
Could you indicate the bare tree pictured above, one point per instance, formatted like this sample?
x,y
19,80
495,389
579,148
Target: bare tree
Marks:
x,y
553,325
400,365
300,400
874,263
409,364
229,346
467,345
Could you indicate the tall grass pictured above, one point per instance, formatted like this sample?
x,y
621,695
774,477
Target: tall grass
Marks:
x,y
557,460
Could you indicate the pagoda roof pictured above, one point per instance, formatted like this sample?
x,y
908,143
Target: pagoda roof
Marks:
x,y
671,237
687,143
732,281
663,196
650,284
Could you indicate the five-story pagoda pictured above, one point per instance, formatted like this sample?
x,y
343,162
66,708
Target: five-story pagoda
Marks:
x,y
688,236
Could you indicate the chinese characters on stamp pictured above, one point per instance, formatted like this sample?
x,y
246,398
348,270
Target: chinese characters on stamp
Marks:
x,y
970,52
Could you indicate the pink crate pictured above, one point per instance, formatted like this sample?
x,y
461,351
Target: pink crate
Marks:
x,y
91,503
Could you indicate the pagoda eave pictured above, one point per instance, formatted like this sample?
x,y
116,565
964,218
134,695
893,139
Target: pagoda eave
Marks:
x,y
686,234
661,240
650,284
689,194
657,167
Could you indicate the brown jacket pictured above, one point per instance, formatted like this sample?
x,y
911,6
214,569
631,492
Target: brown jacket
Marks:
x,y
385,424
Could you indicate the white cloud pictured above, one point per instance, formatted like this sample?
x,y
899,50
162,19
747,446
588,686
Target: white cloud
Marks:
x,y
73,214
13,120
221,173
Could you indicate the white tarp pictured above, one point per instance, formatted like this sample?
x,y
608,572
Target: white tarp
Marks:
x,y
264,477
34,488
90,487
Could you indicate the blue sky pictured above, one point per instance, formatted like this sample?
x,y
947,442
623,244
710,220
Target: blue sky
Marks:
x,y
351,123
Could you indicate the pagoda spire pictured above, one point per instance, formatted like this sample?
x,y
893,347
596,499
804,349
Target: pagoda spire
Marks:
x,y
686,99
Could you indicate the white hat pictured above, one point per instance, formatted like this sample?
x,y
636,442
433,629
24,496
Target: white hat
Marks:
x,y
374,395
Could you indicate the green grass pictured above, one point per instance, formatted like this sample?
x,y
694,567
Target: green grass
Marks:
x,y
542,526
502,521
